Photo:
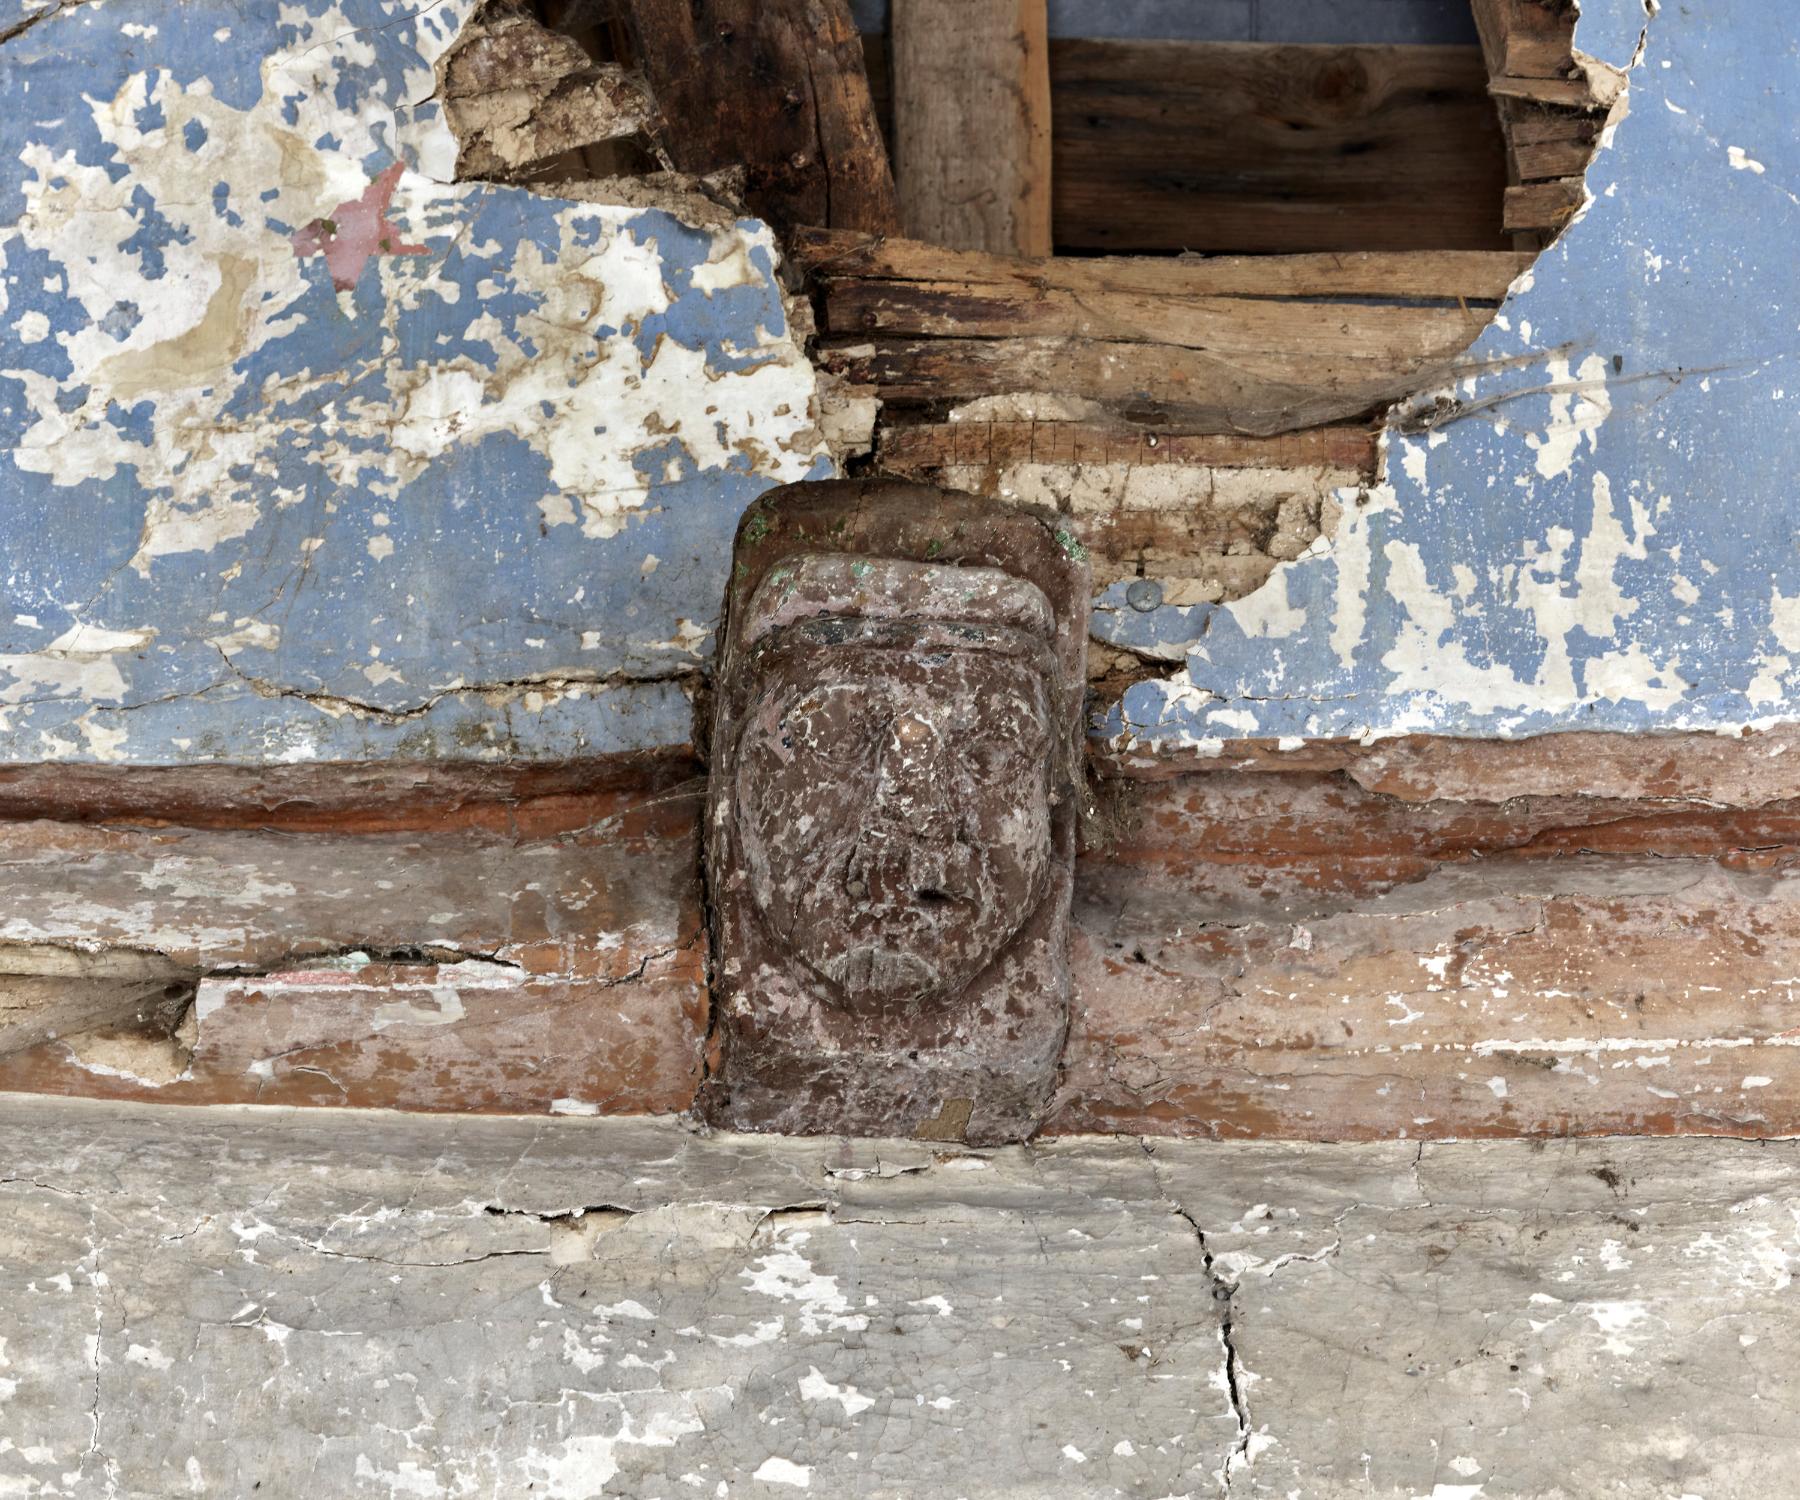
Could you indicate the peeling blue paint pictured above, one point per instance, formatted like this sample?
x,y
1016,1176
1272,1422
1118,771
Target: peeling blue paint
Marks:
x,y
1604,537
477,503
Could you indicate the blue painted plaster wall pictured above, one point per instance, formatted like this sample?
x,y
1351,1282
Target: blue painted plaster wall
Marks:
x,y
1604,536
463,487
468,491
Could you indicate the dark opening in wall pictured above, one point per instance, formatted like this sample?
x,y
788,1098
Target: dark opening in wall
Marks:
x,y
1258,127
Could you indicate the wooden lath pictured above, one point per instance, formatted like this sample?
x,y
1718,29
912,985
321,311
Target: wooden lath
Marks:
x,y
1551,109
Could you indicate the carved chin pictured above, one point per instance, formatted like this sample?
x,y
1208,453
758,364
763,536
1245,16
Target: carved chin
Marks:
x,y
888,973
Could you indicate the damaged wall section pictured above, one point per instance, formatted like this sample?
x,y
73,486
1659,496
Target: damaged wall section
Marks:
x,y
1592,529
346,458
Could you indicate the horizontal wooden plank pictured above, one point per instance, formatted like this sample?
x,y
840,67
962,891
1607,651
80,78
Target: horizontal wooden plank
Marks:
x,y
1251,146
477,967
1544,205
1226,325
918,449
1295,956
1472,275
1363,945
1540,160
1567,93
1529,126
1259,393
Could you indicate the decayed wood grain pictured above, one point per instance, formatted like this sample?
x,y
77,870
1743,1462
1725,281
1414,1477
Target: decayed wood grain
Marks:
x,y
1251,146
1258,392
1544,205
1471,275
925,449
1566,93
777,86
971,123
1252,947
1358,331
527,102
1527,38
1271,956
477,967
915,325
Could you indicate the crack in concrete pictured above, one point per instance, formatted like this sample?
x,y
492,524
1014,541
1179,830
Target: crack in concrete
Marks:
x,y
1236,1383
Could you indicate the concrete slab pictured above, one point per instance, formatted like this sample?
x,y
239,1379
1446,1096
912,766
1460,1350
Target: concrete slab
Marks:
x,y
229,1301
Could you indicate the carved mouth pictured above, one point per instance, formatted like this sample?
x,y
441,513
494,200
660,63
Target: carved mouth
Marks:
x,y
876,969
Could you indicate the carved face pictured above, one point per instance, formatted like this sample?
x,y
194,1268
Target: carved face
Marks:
x,y
894,811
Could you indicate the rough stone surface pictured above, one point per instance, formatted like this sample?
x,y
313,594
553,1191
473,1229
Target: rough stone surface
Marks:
x,y
204,1301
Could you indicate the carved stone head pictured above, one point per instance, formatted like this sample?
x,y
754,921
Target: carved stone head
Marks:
x,y
891,812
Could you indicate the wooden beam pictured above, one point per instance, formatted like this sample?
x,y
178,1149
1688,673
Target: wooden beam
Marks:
x,y
1261,392
920,449
1527,38
1273,148
916,325
972,123
1325,332
1565,93
1471,275
778,86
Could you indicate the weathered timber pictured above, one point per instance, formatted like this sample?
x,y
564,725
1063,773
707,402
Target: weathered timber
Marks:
x,y
1565,93
971,123
1293,957
521,799
1527,38
49,991
1252,146
1469,275
778,86
1742,771
527,103
1544,205
1223,347
475,966
922,449
1324,331
1230,923
1568,157
1258,392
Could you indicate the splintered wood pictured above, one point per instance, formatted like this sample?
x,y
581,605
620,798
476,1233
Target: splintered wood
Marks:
x,y
777,86
1551,108
1170,342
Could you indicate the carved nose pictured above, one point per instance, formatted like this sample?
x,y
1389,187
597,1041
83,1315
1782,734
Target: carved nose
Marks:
x,y
898,855
909,781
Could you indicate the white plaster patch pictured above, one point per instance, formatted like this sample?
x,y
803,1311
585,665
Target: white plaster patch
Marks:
x,y
815,1387
775,1470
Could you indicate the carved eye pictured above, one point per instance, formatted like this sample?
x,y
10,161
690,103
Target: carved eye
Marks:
x,y
831,727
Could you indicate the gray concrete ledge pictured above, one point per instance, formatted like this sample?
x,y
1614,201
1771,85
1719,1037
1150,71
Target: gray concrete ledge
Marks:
x,y
233,1301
